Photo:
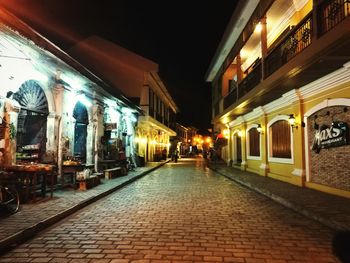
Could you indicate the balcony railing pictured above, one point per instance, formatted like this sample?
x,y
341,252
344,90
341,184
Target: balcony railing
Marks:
x,y
296,41
230,98
331,13
251,80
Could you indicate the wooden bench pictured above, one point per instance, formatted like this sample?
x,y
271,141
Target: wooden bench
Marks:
x,y
113,172
88,183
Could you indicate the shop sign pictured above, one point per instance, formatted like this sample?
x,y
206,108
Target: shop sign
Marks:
x,y
110,126
330,136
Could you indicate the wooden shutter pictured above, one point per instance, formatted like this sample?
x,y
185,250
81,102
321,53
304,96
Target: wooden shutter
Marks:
x,y
254,142
280,135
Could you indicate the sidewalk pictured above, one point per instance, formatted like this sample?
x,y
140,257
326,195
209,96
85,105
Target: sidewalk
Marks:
x,y
34,217
332,211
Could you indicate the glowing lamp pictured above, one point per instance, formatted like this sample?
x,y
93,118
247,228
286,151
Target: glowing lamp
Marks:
x,y
291,120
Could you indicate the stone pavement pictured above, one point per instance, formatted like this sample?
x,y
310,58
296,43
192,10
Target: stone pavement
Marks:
x,y
330,210
34,217
181,213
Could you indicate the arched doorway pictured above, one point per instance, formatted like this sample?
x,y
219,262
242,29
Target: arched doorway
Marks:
x,y
81,117
238,150
32,121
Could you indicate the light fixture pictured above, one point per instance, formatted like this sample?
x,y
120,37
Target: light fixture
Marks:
x,y
259,129
239,133
226,133
291,121
258,27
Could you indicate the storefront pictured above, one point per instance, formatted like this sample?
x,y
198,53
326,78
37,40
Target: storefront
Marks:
x,y
301,138
56,113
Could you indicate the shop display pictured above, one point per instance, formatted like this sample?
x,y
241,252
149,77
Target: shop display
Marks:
x,y
28,153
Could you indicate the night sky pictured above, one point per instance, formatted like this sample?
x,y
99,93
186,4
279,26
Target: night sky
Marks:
x,y
181,36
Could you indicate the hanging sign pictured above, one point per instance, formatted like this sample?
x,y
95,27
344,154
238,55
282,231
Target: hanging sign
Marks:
x,y
330,136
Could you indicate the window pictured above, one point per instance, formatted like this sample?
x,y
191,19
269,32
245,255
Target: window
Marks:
x,y
280,139
254,142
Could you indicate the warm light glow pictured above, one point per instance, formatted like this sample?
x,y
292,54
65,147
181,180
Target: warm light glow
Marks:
x,y
226,133
259,128
208,140
239,133
291,119
258,28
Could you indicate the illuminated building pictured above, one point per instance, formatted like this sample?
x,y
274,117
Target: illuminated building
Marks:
x,y
138,79
281,84
52,108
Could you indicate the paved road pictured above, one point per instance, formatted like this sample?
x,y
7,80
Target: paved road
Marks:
x,y
181,213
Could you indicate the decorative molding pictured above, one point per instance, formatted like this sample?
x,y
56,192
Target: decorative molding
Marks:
x,y
327,82
327,103
264,166
287,99
298,172
237,121
256,113
255,158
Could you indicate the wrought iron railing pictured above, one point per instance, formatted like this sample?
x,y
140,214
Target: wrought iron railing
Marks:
x,y
250,81
295,42
330,13
151,112
230,98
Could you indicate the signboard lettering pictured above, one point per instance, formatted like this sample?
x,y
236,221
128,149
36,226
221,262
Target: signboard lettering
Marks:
x,y
328,137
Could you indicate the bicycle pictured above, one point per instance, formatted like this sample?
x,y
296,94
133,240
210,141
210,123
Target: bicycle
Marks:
x,y
9,198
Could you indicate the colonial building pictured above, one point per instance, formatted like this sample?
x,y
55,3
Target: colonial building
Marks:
x,y
138,79
281,87
51,107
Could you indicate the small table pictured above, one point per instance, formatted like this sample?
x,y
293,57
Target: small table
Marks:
x,y
28,174
70,170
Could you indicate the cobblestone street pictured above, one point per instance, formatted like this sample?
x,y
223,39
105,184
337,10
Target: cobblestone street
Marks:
x,y
182,212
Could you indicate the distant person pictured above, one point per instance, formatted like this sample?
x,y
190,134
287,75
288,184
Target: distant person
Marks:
x,y
175,155
164,154
341,246
205,154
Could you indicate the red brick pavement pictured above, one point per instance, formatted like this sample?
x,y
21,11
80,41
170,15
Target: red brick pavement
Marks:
x,y
181,213
34,217
330,210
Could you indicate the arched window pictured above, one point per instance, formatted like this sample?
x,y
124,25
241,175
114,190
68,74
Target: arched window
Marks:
x,y
32,120
254,142
280,136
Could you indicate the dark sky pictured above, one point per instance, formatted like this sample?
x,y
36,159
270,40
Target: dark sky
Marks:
x,y
181,36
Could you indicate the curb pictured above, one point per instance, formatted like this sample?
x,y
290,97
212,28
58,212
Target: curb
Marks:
x,y
286,203
28,233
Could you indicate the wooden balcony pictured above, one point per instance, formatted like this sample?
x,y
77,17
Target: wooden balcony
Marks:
x,y
318,45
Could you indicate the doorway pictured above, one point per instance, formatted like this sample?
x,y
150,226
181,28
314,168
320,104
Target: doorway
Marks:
x,y
238,150
32,122
80,131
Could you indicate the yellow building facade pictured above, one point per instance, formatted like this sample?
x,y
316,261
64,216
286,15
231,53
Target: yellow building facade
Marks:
x,y
284,100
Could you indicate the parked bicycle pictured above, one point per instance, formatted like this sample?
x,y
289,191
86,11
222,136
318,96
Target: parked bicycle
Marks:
x,y
9,198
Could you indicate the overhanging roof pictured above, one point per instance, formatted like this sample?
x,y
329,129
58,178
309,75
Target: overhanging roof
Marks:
x,y
236,25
